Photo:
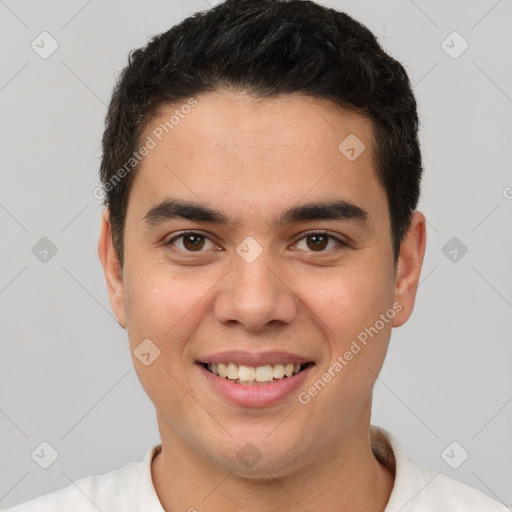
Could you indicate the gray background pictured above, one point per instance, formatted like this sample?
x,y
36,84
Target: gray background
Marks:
x,y
66,373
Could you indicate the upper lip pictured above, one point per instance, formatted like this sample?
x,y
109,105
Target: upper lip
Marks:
x,y
254,358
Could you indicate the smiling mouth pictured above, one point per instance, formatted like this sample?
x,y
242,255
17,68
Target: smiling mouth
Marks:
x,y
255,375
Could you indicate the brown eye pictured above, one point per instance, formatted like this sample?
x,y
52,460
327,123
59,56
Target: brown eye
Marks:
x,y
320,242
317,242
191,242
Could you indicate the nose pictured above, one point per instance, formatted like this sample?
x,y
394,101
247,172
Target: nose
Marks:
x,y
256,294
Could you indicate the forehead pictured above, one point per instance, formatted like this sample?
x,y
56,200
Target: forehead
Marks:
x,y
234,122
228,148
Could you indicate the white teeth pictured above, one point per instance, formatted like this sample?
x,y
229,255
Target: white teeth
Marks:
x,y
278,371
288,370
250,375
232,371
223,370
264,373
246,373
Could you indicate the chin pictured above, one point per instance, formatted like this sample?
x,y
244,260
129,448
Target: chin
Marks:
x,y
258,457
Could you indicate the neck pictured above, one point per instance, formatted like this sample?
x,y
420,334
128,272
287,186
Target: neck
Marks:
x,y
347,477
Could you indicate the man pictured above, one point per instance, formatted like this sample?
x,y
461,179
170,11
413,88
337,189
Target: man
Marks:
x,y
260,241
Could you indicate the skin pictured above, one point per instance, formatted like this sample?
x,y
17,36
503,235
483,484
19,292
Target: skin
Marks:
x,y
253,159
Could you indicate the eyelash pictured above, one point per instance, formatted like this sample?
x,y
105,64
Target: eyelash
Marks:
x,y
340,242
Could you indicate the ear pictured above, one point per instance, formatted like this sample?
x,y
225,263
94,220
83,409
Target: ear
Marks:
x,y
412,251
112,269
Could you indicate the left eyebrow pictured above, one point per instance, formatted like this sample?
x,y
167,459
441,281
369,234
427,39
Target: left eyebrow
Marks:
x,y
331,210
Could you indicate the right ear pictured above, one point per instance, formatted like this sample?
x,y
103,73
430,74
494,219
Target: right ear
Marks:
x,y
112,269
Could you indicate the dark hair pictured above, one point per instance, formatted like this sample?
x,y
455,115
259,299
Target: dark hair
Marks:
x,y
266,48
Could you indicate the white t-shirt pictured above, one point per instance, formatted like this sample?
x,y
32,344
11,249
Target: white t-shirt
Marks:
x,y
130,489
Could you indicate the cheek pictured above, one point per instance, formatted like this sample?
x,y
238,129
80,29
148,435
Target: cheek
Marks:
x,y
350,307
166,309
348,301
165,306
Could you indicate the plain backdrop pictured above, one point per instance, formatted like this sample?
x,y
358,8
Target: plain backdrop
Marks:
x,y
66,373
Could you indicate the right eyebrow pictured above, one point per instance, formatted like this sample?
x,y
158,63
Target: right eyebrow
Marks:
x,y
174,209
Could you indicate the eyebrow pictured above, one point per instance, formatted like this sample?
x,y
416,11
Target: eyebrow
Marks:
x,y
330,210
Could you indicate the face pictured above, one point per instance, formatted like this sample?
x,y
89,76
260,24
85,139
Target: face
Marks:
x,y
254,244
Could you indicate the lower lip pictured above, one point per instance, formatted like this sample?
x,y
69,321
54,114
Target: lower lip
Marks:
x,y
257,395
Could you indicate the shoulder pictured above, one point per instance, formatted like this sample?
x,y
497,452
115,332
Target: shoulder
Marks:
x,y
420,489
85,495
107,492
444,494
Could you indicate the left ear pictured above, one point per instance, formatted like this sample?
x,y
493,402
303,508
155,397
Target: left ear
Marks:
x,y
412,251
